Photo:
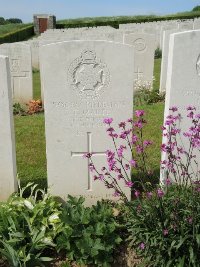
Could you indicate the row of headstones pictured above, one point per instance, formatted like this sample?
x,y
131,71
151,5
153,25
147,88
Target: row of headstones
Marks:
x,y
22,56
83,83
158,27
155,28
25,56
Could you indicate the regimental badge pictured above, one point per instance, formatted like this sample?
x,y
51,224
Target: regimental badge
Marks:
x,y
88,76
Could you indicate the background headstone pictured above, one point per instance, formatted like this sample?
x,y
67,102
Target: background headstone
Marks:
x,y
144,49
8,182
21,70
164,61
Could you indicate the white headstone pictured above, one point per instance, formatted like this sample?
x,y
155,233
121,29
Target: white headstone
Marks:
x,y
21,70
183,78
164,62
8,183
144,49
84,82
35,53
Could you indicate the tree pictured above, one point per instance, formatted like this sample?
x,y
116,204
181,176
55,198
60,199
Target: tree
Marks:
x,y
196,8
2,21
14,20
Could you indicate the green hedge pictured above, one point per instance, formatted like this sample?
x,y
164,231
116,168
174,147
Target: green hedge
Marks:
x,y
17,36
115,23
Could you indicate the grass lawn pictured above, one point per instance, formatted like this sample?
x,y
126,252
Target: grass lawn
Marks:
x,y
36,85
8,28
157,67
30,137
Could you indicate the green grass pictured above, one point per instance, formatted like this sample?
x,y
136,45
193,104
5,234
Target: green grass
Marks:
x,y
36,85
8,28
30,137
152,131
157,67
30,148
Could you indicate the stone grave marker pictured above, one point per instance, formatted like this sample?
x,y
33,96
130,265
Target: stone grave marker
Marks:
x,y
144,45
8,182
83,82
21,70
183,78
164,62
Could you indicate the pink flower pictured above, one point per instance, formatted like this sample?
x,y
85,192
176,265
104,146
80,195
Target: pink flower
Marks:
x,y
165,232
129,184
168,181
197,116
133,163
142,246
190,220
116,194
108,120
122,124
137,193
160,193
130,120
190,107
147,143
139,113
149,195
174,108
139,149
127,167
91,167
134,139
87,155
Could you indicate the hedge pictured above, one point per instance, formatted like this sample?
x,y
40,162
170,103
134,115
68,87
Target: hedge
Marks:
x,y
115,23
17,36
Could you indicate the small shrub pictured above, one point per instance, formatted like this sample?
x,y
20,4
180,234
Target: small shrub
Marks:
x,y
158,53
89,235
145,94
18,110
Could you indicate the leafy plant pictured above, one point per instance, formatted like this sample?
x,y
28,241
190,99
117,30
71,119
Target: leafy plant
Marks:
x,y
18,110
146,96
158,53
164,226
89,235
28,227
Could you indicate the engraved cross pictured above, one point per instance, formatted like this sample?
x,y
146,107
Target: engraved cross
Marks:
x,y
89,150
138,73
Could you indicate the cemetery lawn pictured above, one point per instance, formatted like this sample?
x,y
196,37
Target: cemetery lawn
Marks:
x,y
8,28
36,85
157,67
30,149
30,143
